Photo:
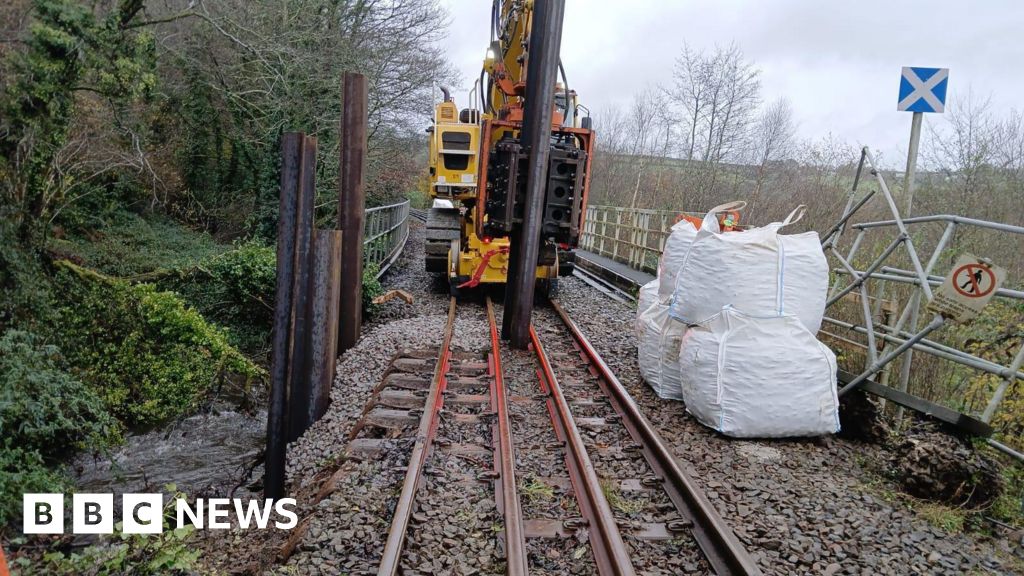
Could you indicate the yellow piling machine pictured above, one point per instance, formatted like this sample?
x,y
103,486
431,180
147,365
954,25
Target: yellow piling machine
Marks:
x,y
478,167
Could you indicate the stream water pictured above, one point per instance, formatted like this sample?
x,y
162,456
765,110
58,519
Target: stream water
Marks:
x,y
204,455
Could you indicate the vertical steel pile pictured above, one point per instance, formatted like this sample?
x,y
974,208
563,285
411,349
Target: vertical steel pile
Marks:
x,y
299,388
325,309
277,421
306,307
352,207
541,71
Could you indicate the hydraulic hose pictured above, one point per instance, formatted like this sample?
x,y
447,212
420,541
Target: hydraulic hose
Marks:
x,y
565,85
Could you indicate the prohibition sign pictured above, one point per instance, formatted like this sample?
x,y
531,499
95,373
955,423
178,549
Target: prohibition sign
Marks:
x,y
974,280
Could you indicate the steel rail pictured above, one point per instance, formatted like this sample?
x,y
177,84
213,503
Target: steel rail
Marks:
x,y
603,286
723,551
387,206
393,257
505,463
391,558
610,553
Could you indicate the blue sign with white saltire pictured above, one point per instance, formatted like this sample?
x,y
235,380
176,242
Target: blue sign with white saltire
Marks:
x,y
923,89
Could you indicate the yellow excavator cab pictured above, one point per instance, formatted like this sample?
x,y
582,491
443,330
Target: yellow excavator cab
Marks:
x,y
478,168
454,152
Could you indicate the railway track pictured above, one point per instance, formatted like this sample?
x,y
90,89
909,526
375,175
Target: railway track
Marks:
x,y
418,214
603,286
719,546
550,463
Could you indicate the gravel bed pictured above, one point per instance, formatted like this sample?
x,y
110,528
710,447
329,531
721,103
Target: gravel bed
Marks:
x,y
358,371
429,291
800,506
455,521
348,529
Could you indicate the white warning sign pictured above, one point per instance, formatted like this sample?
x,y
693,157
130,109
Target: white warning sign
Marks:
x,y
971,283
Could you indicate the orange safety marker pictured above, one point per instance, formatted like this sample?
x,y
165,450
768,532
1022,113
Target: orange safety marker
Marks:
x,y
3,564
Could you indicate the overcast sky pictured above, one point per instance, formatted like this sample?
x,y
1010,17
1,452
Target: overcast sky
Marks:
x,y
838,62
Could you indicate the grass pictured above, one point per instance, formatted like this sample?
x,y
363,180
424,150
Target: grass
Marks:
x,y
1009,507
941,516
613,495
947,518
535,491
951,519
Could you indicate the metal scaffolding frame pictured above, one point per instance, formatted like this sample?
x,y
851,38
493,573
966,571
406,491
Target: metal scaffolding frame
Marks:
x,y
903,338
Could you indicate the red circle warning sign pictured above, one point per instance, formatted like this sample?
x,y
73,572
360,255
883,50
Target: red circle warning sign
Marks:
x,y
974,280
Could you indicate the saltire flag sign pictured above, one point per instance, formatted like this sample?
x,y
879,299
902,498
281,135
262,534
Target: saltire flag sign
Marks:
x,y
923,89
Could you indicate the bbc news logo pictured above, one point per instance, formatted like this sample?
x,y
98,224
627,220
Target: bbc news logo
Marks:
x,y
144,513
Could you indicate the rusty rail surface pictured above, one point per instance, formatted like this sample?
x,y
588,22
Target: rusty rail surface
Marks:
x,y
610,553
425,435
723,551
504,462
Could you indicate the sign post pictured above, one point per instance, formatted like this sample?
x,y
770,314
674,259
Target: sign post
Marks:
x,y
921,90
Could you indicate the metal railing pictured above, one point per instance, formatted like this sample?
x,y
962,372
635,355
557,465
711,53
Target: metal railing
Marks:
x,y
384,234
905,337
633,236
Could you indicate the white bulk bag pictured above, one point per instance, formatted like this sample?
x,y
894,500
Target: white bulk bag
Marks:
x,y
648,353
759,377
658,344
758,271
678,244
647,295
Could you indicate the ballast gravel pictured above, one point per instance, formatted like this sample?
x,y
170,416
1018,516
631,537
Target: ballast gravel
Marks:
x,y
810,506
800,506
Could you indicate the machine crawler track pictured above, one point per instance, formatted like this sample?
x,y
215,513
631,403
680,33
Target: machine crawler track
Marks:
x,y
443,226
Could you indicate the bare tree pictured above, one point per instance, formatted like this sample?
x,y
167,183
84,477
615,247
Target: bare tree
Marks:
x,y
689,93
963,149
773,140
1010,153
716,96
646,132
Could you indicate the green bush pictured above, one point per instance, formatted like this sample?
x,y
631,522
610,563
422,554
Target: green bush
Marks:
x,y
148,355
44,413
42,406
371,287
120,243
234,289
23,471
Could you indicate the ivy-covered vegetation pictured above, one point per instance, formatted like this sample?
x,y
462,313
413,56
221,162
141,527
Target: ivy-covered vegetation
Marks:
x,y
235,289
138,198
126,244
45,413
129,355
149,355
